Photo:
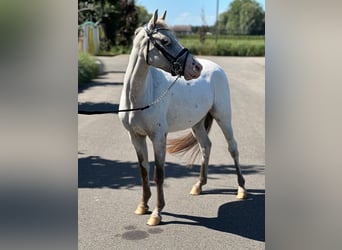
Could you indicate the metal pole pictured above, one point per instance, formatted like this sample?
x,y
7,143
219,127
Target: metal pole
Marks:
x,y
217,13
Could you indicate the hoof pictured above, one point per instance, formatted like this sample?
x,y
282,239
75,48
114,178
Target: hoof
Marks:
x,y
141,210
242,194
196,190
154,220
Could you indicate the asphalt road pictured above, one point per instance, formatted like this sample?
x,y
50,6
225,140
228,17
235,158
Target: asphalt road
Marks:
x,y
109,182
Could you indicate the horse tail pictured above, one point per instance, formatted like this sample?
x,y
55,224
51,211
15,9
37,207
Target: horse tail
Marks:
x,y
188,143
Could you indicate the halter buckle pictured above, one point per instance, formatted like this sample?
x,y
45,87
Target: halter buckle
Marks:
x,y
177,68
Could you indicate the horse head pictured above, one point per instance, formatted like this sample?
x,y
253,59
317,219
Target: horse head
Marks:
x,y
160,48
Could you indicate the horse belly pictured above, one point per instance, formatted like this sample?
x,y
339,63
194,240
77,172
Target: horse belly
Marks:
x,y
188,104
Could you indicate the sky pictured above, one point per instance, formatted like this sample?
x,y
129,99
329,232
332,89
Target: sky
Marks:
x,y
188,12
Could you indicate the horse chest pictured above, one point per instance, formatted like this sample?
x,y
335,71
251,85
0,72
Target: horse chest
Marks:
x,y
141,122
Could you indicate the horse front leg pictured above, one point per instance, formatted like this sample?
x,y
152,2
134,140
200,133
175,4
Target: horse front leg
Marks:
x,y
140,146
159,146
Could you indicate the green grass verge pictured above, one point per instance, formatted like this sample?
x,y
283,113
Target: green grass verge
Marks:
x,y
116,50
226,46
87,68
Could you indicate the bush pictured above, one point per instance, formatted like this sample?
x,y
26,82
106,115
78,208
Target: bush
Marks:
x,y
87,68
115,50
227,46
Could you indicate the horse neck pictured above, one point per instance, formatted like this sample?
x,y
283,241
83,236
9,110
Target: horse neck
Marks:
x,y
135,81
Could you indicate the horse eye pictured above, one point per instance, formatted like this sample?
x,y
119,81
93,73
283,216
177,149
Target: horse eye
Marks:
x,y
165,41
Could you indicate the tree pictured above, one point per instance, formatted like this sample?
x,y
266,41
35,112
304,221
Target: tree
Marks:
x,y
222,22
128,22
143,16
243,17
119,18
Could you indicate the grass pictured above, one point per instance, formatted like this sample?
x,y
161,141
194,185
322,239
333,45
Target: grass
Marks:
x,y
225,46
115,50
87,68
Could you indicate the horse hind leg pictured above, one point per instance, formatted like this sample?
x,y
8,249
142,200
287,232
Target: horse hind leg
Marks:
x,y
241,193
227,130
139,143
201,134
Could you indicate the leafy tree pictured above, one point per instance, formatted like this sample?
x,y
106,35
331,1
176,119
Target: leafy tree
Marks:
x,y
128,22
243,17
143,16
119,18
222,22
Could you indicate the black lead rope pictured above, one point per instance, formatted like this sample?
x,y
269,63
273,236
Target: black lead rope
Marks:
x,y
83,112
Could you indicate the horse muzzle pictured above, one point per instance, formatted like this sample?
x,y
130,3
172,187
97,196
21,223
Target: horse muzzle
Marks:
x,y
192,69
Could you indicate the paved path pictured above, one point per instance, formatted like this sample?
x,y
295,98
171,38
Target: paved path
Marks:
x,y
109,184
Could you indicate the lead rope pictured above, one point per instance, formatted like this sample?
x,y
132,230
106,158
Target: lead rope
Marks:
x,y
134,109
155,101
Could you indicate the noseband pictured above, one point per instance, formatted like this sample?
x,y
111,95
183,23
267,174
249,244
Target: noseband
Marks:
x,y
177,62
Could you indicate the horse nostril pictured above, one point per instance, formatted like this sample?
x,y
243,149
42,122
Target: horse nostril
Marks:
x,y
198,68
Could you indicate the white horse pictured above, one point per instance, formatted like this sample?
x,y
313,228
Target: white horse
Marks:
x,y
192,102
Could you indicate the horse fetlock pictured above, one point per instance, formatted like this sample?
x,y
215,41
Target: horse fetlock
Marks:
x,y
241,193
160,205
241,181
203,181
141,209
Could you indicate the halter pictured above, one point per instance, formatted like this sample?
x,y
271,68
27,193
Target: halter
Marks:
x,y
177,62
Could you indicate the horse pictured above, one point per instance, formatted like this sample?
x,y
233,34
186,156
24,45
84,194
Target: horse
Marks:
x,y
158,62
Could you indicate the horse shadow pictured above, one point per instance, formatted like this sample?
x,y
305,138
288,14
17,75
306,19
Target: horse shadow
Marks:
x,y
97,172
245,218
97,83
241,217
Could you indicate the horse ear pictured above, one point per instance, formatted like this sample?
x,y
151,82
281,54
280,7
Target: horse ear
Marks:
x,y
164,15
153,20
